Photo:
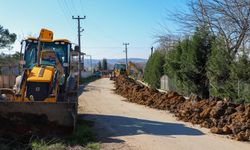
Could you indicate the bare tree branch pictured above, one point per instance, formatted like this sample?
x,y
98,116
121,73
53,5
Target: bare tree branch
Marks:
x,y
229,19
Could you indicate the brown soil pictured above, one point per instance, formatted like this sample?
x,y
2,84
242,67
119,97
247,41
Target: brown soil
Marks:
x,y
15,124
223,117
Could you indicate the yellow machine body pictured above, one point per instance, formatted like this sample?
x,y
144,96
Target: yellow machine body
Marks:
x,y
132,69
41,83
42,75
119,69
46,35
39,74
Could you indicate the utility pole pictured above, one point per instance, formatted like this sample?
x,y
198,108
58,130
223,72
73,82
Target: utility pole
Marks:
x,y
152,50
126,52
79,44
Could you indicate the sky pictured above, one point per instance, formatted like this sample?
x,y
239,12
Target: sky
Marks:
x,y
108,23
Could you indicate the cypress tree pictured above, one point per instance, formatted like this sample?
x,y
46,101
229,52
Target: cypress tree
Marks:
x,y
154,69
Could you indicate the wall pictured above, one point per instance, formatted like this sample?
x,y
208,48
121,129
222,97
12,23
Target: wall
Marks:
x,y
8,76
86,74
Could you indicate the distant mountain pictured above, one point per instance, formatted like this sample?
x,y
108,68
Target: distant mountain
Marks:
x,y
134,60
111,62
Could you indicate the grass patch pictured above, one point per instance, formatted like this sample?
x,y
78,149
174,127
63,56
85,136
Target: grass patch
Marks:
x,y
83,134
82,139
94,146
42,145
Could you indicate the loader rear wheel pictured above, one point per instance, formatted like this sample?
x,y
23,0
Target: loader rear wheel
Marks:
x,y
7,94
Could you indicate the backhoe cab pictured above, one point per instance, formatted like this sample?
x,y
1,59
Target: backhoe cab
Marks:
x,y
119,69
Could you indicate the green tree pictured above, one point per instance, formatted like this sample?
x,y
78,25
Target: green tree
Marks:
x,y
187,63
17,55
6,38
104,64
219,70
99,65
154,69
173,66
10,59
200,51
240,79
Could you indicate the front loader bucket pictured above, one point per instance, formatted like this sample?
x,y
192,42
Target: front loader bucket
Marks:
x,y
37,118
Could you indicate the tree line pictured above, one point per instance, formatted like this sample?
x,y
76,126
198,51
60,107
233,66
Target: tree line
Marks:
x,y
102,65
212,59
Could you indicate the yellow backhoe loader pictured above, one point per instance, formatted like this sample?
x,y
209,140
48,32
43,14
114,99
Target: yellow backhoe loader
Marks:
x,y
45,97
121,69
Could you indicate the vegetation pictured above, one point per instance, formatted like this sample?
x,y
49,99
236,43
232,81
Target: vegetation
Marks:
x,y
227,19
213,60
218,70
88,79
154,69
83,138
102,65
187,63
10,59
6,38
99,65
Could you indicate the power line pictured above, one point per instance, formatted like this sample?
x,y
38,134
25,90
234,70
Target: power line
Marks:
x,y
68,7
117,47
64,13
74,7
81,5
97,27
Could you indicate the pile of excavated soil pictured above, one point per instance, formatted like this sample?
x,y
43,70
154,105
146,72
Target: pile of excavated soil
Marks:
x,y
15,124
221,116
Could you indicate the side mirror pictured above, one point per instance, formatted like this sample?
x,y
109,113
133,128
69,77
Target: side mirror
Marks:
x,y
77,48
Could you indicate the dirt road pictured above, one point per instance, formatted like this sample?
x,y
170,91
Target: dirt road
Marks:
x,y
124,125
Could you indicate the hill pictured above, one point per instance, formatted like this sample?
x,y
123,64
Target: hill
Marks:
x,y
111,62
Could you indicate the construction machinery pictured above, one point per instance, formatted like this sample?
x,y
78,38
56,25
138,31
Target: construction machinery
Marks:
x,y
44,99
132,70
119,69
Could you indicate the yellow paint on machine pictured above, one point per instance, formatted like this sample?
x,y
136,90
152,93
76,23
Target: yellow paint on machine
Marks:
x,y
46,76
46,35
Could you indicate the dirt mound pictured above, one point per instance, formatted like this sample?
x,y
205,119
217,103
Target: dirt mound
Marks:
x,y
223,117
14,124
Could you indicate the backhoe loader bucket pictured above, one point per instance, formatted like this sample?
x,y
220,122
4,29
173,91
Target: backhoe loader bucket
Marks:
x,y
37,118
